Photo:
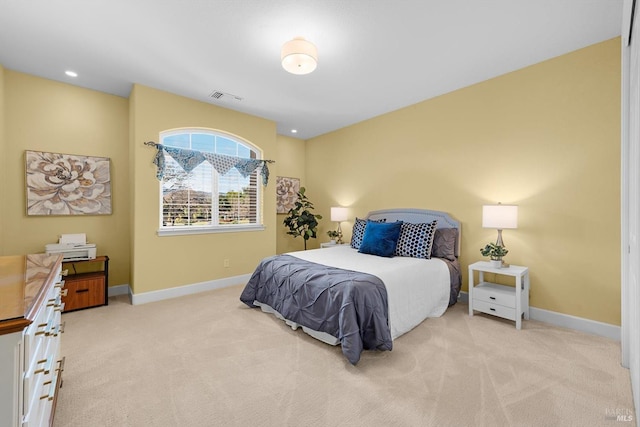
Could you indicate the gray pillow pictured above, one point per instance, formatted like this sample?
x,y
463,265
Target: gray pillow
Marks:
x,y
444,243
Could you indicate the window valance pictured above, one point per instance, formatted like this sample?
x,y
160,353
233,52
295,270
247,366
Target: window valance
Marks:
x,y
188,159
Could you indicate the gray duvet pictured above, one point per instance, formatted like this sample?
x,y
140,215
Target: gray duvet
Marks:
x,y
348,305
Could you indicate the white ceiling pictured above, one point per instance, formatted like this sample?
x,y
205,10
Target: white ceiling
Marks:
x,y
375,56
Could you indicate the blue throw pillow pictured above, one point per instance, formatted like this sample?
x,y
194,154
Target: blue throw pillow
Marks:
x,y
358,231
380,238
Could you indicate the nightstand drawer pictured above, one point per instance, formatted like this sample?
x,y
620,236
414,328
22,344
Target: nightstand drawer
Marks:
x,y
495,294
494,309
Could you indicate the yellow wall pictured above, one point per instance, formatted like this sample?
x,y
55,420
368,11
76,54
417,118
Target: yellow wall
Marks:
x,y
44,115
291,163
546,137
170,261
3,206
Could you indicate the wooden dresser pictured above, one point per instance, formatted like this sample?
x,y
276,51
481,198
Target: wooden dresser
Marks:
x,y
30,326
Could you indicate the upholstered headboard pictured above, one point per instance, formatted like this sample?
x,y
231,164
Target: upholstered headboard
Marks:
x,y
417,216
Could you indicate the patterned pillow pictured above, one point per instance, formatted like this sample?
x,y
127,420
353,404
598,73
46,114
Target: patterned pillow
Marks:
x,y
416,240
358,231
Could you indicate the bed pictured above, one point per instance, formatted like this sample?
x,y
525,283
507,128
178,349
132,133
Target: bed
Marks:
x,y
364,301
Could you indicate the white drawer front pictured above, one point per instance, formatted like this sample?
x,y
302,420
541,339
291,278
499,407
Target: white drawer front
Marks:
x,y
37,387
495,294
37,337
494,309
41,342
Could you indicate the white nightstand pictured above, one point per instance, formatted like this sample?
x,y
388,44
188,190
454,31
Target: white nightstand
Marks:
x,y
498,300
332,245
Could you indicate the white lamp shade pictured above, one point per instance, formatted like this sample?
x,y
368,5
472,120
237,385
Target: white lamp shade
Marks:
x,y
500,216
339,214
299,56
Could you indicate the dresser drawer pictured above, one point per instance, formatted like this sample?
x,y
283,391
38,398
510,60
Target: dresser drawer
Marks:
x,y
36,383
45,325
41,360
494,309
495,294
87,291
41,381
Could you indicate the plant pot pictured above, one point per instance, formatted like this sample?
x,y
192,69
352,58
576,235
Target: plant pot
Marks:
x,y
333,242
496,263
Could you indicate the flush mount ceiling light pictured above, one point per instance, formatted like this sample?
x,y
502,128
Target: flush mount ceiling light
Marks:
x,y
299,56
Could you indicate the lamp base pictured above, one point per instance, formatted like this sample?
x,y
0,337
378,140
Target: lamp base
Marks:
x,y
339,239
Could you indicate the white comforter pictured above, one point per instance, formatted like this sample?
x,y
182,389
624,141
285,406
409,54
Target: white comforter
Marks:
x,y
416,288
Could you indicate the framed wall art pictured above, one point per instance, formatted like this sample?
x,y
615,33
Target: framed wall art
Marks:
x,y
286,193
67,184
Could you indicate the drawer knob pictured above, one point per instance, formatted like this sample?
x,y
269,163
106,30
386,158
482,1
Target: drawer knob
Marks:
x,y
47,367
61,362
54,301
79,291
55,331
492,309
52,389
492,298
45,331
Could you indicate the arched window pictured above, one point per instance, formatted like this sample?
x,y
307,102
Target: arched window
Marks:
x,y
203,200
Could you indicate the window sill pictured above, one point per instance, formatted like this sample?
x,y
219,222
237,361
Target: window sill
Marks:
x,y
181,231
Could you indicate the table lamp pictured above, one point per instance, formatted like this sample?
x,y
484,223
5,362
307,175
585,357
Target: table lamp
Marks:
x,y
500,217
339,214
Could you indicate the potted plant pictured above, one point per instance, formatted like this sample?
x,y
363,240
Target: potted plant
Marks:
x,y
495,252
300,220
333,235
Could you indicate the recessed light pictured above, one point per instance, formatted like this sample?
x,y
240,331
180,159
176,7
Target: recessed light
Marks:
x,y
71,73
294,130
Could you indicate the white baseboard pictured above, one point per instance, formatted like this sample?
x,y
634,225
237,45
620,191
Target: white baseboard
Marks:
x,y
578,323
554,318
567,321
118,290
146,297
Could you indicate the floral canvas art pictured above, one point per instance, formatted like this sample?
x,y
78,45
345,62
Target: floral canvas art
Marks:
x,y
286,193
66,184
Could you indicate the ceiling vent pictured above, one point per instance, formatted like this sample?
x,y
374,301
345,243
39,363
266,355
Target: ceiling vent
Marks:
x,y
223,96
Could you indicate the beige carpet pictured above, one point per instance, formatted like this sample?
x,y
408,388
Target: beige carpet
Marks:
x,y
208,360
